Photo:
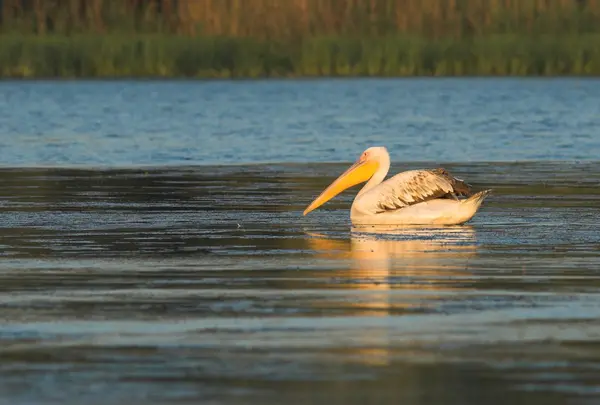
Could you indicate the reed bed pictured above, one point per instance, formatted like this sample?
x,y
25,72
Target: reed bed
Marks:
x,y
292,38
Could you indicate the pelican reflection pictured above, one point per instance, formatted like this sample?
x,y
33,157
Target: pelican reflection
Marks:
x,y
390,271
389,255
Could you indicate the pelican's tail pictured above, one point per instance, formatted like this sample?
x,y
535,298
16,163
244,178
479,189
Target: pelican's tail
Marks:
x,y
477,198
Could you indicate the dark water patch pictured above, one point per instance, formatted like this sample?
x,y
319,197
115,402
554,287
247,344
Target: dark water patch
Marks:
x,y
206,284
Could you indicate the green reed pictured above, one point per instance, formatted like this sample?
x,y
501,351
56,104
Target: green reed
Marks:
x,y
211,57
266,38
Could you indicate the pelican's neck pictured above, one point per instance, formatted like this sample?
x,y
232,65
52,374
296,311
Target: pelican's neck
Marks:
x,y
379,175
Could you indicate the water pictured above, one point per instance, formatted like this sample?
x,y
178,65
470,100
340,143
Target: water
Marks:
x,y
192,280
180,122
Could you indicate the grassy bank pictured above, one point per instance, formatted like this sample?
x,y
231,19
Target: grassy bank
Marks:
x,y
399,55
275,38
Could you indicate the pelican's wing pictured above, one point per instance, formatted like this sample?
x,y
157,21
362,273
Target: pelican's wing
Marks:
x,y
414,186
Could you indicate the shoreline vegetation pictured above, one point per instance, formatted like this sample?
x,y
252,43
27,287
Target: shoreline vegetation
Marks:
x,y
298,38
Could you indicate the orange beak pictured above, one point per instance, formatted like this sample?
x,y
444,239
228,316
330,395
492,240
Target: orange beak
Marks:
x,y
359,172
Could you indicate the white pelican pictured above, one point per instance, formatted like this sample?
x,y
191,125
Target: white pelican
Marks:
x,y
413,197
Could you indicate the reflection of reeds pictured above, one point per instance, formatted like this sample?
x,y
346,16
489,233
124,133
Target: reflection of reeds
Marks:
x,y
254,38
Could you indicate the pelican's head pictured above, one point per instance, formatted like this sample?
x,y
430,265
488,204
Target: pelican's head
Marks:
x,y
361,171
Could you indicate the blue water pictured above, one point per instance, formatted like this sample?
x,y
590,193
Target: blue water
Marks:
x,y
125,123
196,278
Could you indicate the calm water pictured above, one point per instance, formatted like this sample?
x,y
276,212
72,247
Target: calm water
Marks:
x,y
193,280
158,123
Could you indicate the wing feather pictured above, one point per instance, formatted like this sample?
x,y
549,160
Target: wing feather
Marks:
x,y
414,186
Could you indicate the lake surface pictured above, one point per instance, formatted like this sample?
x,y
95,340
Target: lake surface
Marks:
x,y
117,123
196,279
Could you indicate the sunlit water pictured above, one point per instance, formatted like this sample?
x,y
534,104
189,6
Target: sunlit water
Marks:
x,y
197,283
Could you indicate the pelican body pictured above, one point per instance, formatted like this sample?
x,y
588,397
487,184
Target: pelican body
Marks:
x,y
414,197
